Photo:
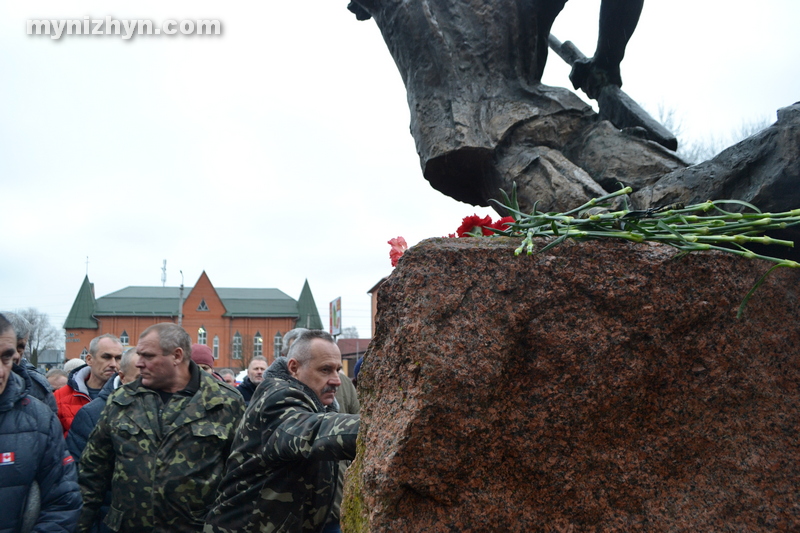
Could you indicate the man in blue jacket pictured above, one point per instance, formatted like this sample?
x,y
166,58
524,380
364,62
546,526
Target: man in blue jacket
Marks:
x,y
86,419
89,414
33,456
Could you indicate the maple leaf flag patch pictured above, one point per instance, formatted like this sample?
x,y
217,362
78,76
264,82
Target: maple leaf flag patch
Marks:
x,y
6,458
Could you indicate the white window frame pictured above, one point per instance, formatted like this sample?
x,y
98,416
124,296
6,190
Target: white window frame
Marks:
x,y
237,346
258,345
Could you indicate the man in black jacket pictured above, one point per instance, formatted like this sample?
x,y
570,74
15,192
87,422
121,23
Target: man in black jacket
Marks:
x,y
255,375
32,454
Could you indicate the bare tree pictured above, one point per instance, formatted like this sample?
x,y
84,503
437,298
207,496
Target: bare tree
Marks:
x,y
694,150
44,336
349,333
245,352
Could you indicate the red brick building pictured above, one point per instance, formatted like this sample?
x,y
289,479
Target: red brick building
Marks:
x,y
236,323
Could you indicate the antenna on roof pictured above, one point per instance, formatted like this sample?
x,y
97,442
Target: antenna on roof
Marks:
x,y
164,274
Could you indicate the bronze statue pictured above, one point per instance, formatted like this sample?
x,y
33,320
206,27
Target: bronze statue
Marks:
x,y
482,120
480,116
618,19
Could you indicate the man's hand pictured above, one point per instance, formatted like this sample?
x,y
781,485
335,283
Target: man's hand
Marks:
x,y
591,78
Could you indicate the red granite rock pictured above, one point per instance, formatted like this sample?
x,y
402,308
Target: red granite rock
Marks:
x,y
601,386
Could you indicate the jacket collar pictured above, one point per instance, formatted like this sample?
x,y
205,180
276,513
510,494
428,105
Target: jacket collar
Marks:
x,y
77,379
208,395
111,385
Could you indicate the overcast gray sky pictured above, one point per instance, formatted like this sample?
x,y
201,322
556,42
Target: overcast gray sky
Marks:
x,y
279,151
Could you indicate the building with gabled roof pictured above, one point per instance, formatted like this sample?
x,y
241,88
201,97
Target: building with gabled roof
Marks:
x,y
237,323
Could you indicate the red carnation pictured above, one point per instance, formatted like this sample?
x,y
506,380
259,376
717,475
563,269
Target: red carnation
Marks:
x,y
502,224
399,246
469,224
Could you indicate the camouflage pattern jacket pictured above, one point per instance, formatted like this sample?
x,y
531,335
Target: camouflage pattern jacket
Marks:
x,y
162,462
283,471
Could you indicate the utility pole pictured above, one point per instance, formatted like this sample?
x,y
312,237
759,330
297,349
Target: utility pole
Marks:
x,y
180,304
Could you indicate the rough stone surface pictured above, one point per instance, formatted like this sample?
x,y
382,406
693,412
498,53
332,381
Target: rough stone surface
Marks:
x,y
763,169
600,386
548,176
612,157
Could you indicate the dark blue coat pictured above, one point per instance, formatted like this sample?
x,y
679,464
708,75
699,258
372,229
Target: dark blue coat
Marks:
x,y
82,425
87,418
40,387
247,388
32,450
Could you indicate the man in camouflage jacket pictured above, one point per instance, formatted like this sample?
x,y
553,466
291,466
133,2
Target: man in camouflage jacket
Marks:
x,y
161,443
282,474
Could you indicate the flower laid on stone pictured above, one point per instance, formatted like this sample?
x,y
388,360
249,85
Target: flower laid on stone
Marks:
x,y
399,247
475,226
699,227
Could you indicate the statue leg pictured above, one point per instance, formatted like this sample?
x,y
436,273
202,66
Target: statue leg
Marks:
x,y
546,12
618,20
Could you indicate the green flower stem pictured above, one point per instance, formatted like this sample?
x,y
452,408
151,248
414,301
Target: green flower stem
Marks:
x,y
738,239
747,254
680,227
594,202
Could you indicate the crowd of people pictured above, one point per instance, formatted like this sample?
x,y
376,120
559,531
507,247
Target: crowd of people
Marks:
x,y
153,439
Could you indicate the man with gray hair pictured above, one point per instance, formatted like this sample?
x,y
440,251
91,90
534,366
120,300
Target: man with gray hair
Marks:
x,y
85,383
40,388
346,402
57,378
289,338
89,414
283,470
254,377
228,376
87,418
161,442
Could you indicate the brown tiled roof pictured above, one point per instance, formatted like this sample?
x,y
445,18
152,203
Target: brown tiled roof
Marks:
x,y
353,347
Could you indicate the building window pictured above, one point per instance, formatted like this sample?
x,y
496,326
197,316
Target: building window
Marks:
x,y
84,353
216,347
277,344
203,306
201,335
237,346
124,339
258,345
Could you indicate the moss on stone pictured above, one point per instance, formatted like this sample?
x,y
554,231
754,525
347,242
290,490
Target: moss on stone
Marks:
x,y
354,513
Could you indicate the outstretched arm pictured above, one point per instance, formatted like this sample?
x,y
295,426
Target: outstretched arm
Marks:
x,y
618,20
